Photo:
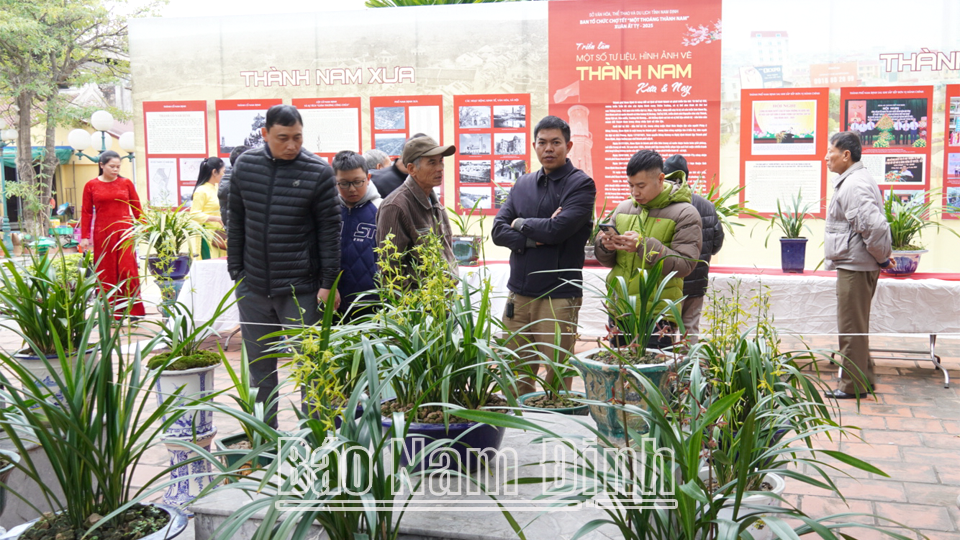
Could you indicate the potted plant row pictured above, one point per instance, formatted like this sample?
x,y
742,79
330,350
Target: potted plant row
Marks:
x,y
94,435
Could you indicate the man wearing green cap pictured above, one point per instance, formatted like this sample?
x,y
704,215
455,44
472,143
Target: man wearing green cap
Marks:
x,y
413,209
656,223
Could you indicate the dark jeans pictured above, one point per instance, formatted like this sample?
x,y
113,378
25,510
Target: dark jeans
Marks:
x,y
261,315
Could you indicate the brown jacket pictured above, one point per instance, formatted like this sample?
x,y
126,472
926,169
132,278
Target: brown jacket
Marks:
x,y
408,213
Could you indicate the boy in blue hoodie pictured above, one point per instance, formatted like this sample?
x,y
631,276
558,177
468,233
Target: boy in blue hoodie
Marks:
x,y
359,201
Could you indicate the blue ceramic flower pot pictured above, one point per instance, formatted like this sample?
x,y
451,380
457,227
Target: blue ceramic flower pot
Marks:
x,y
793,254
473,439
905,263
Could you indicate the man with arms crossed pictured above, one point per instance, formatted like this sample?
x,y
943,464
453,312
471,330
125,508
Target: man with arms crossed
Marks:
x,y
545,222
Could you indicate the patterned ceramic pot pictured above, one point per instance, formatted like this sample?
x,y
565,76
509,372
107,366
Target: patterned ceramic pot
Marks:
x,y
602,380
197,383
44,372
195,476
906,263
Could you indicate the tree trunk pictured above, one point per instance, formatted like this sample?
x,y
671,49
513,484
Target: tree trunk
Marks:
x,y
25,173
48,167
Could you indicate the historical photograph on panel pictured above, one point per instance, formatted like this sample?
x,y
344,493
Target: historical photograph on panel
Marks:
x,y
953,197
389,118
474,144
508,170
474,117
883,123
475,172
900,169
241,128
390,143
500,196
509,144
475,197
510,116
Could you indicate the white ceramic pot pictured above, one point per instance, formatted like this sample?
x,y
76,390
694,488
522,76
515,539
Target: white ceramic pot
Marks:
x,y
195,475
197,383
758,529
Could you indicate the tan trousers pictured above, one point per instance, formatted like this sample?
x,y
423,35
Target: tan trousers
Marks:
x,y
692,306
538,321
854,295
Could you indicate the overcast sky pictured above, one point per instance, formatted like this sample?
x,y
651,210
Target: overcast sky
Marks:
x,y
207,8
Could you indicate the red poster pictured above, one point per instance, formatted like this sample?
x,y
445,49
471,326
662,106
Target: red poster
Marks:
x,y
492,148
175,135
629,76
330,125
895,124
783,139
239,122
951,154
394,119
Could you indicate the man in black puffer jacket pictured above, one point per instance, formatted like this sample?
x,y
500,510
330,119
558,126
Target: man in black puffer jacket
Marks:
x,y
695,284
284,240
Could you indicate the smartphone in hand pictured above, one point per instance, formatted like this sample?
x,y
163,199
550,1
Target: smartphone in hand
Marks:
x,y
609,228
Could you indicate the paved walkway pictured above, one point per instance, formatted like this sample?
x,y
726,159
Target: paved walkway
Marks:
x,y
911,431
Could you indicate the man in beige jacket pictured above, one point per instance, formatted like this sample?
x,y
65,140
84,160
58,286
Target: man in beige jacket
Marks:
x,y
857,244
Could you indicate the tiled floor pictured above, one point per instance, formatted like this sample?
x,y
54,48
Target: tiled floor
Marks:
x,y
911,431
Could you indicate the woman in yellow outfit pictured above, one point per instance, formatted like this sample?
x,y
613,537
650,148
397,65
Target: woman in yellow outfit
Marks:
x,y
206,205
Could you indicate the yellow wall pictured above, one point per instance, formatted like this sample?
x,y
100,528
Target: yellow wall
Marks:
x,y
74,175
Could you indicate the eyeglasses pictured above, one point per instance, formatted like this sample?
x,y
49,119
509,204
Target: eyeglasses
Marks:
x,y
348,185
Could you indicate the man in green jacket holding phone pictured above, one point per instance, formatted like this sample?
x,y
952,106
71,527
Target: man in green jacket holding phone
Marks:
x,y
656,223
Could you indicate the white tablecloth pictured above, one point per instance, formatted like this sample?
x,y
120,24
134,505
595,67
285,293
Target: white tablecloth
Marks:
x,y
808,304
799,304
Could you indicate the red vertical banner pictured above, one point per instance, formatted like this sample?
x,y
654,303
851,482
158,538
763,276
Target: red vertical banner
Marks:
x,y
951,154
783,139
394,119
630,76
493,149
895,126
330,125
175,135
239,122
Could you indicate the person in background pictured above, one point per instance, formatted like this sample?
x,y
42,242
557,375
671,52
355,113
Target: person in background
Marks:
x,y
392,177
284,241
656,223
545,222
108,201
376,159
695,284
206,206
223,191
413,210
359,201
857,245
